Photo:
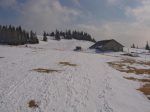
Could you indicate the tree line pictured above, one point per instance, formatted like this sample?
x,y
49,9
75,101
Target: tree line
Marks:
x,y
147,47
16,36
68,34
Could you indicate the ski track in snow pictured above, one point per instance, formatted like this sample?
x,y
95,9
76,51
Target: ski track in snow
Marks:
x,y
73,98
84,88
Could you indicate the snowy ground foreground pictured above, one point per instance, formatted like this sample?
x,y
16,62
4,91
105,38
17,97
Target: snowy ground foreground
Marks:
x,y
92,86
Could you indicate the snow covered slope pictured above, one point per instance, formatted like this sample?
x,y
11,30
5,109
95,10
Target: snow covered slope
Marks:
x,y
64,44
90,86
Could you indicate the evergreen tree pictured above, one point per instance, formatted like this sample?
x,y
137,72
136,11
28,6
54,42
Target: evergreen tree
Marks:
x,y
52,34
44,36
33,38
133,46
57,36
147,46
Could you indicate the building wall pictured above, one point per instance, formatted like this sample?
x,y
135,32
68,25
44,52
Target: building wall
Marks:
x,y
113,45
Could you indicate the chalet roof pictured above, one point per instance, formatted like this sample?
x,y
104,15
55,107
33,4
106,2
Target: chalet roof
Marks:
x,y
103,43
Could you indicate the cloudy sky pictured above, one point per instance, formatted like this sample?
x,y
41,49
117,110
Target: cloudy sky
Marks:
x,y
128,21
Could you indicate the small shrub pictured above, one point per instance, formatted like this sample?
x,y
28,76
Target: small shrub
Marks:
x,y
78,48
45,38
33,104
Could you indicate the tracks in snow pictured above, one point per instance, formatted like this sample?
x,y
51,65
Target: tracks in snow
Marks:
x,y
75,89
103,96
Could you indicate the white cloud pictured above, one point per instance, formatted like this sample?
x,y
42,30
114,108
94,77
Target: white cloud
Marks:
x,y
46,15
141,13
124,32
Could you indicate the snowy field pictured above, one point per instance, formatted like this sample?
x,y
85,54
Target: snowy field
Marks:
x,y
88,84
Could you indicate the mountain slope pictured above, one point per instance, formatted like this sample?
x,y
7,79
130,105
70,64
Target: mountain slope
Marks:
x,y
86,84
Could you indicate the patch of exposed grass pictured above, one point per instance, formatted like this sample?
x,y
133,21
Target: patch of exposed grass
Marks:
x,y
130,61
119,65
136,79
116,65
44,70
136,71
126,65
130,78
33,104
145,80
67,64
145,89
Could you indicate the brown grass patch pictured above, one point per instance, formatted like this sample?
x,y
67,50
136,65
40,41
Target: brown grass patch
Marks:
x,y
136,71
116,65
135,79
133,61
130,61
145,89
125,65
130,78
145,63
33,104
67,64
145,80
119,65
43,70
